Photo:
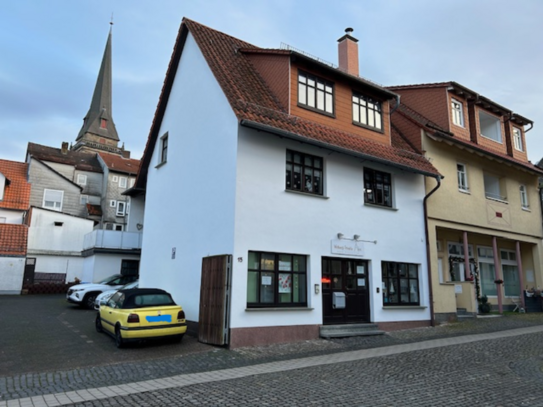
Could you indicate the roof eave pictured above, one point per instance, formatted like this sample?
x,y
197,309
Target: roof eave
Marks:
x,y
298,137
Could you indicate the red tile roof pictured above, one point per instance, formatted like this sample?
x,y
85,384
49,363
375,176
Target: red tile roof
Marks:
x,y
81,161
13,239
255,104
120,164
17,193
445,135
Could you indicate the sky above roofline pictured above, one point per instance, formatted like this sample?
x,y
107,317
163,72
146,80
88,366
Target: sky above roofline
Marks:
x,y
52,54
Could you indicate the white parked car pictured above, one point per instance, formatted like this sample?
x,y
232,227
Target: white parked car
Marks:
x,y
85,294
106,295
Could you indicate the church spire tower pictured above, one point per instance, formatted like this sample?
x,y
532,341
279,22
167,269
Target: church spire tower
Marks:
x,y
98,132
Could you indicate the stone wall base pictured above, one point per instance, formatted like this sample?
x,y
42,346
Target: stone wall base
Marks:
x,y
445,317
240,337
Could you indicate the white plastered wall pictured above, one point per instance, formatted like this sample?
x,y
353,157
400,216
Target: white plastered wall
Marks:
x,y
11,272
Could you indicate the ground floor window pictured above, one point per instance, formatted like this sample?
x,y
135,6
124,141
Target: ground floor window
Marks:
x,y
276,280
400,283
130,267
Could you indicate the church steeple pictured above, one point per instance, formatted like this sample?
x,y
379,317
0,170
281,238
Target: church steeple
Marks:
x,y
98,132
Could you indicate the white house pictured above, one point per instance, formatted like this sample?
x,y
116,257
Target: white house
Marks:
x,y
271,209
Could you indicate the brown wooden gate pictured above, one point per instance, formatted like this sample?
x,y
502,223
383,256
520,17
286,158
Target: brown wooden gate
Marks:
x,y
213,323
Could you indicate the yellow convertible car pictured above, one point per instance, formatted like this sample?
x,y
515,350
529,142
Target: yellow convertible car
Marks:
x,y
141,313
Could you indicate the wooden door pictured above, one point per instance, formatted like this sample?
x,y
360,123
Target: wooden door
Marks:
x,y
213,322
350,277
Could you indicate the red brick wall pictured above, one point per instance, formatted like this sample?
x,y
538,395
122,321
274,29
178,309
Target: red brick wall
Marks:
x,y
343,119
519,155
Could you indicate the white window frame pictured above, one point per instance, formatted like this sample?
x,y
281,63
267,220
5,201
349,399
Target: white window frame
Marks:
x,y
462,176
132,182
54,207
113,203
81,179
121,208
490,181
457,112
517,139
115,178
122,182
524,197
460,254
495,122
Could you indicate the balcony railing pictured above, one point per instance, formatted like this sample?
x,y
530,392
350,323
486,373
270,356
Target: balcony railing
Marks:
x,y
111,239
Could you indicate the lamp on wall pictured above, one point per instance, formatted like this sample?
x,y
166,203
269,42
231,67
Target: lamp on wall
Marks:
x,y
340,235
356,237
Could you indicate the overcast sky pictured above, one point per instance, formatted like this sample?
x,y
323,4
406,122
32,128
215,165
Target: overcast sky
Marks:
x,y
51,53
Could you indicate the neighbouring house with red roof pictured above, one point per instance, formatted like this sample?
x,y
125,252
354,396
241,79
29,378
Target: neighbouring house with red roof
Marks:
x,y
80,226
280,203
484,222
14,207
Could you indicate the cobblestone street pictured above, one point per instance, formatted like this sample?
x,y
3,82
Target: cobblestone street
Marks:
x,y
484,361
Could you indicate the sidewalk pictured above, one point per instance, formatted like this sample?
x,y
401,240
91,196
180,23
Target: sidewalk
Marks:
x,y
88,384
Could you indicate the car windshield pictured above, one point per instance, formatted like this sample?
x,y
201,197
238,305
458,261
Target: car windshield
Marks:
x,y
109,279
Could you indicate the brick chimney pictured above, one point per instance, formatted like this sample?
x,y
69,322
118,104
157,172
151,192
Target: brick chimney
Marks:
x,y
64,148
348,53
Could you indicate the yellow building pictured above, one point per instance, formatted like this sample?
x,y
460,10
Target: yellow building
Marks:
x,y
487,204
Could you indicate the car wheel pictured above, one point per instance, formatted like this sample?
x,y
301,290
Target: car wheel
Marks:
x,y
88,301
118,338
98,324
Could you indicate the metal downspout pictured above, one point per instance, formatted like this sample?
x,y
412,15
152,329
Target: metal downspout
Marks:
x,y
428,260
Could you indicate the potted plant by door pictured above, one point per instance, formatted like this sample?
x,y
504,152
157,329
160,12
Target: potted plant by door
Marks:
x,y
484,305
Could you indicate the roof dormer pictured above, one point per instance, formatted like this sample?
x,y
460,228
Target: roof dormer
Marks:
x,y
4,182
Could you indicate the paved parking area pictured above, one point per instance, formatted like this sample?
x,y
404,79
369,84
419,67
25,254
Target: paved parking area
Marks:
x,y
44,333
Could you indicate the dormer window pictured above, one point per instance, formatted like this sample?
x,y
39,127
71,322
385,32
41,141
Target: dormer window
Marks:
x,y
103,123
517,139
457,112
367,112
490,126
315,93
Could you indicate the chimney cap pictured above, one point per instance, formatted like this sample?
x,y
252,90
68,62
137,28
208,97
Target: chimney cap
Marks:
x,y
348,34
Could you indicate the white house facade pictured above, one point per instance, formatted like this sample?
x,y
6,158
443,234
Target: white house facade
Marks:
x,y
313,231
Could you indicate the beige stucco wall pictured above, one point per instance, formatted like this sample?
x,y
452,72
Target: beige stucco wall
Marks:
x,y
451,212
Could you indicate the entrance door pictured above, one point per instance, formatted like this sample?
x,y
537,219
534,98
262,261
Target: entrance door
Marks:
x,y
350,277
213,323
30,267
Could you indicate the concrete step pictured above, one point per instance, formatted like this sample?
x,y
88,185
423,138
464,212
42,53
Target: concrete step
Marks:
x,y
349,330
462,313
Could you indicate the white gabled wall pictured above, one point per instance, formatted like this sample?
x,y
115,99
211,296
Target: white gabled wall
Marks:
x,y
190,199
270,219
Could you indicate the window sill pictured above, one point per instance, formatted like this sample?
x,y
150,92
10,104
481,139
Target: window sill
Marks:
x,y
292,191
273,309
380,206
459,125
526,209
365,126
160,164
397,307
464,191
497,200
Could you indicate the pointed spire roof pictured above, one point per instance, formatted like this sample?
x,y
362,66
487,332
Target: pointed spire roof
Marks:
x,y
99,119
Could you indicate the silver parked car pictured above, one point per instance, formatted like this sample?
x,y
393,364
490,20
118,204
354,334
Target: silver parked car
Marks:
x,y
106,295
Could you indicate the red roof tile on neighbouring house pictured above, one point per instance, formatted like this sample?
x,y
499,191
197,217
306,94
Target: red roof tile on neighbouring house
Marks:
x,y
17,193
255,104
120,164
13,239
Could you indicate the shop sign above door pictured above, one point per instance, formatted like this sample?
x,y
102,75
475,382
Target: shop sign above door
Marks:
x,y
348,247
